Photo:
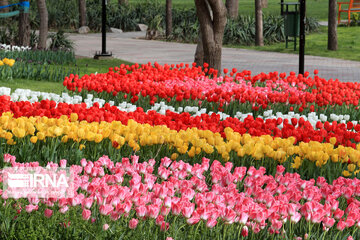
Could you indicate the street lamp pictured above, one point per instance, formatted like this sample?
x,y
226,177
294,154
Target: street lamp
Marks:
x,y
302,36
103,53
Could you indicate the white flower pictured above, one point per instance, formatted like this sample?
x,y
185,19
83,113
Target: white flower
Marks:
x,y
323,118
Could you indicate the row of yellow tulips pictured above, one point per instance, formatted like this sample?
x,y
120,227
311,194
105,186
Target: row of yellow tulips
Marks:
x,y
191,141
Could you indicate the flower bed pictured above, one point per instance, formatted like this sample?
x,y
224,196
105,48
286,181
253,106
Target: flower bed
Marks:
x,y
148,84
235,201
182,118
37,64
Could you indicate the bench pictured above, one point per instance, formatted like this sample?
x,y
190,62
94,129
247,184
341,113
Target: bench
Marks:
x,y
353,6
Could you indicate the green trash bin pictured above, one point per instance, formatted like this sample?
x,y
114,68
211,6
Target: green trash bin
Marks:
x,y
292,24
291,21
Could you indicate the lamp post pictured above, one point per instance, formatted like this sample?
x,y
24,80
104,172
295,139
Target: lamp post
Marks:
x,y
302,36
103,53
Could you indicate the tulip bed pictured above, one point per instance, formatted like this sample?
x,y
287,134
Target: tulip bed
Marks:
x,y
287,150
36,64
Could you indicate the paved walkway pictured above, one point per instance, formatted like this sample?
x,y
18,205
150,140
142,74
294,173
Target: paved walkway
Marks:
x,y
128,47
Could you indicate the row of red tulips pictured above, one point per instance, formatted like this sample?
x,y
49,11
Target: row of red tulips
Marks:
x,y
167,82
346,134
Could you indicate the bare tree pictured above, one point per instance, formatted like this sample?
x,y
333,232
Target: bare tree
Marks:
x,y
168,18
232,7
82,13
41,4
24,29
259,38
332,32
212,19
4,3
122,2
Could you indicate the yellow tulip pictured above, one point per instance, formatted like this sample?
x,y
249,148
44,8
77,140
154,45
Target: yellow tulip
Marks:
x,y
19,132
346,173
40,135
73,117
174,156
64,139
332,140
351,167
33,139
8,135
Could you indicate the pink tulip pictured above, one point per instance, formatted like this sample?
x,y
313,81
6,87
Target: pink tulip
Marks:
x,y
349,222
29,208
105,191
64,209
194,219
86,214
9,158
83,162
276,224
243,218
141,211
87,202
63,163
159,220
245,231
176,209
211,223
105,227
105,209
48,213
164,226
295,218
164,210
338,214
153,211
166,162
229,216
280,169
328,222
187,211
167,202
133,223
341,225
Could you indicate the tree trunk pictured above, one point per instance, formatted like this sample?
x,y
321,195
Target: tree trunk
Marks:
x,y
232,7
264,3
122,2
212,30
332,32
168,18
24,29
43,23
4,3
199,54
82,13
259,38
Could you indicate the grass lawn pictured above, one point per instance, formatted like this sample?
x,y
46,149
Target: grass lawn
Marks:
x,y
315,8
316,44
87,66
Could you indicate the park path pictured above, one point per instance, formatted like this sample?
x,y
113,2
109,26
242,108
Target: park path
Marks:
x,y
129,47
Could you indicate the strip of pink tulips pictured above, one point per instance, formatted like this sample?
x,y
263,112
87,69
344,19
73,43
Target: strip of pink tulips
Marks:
x,y
237,195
